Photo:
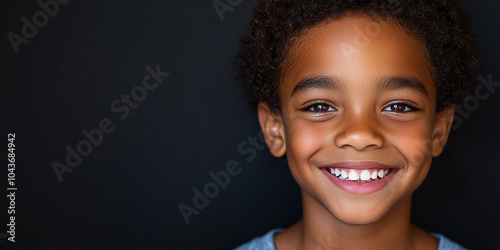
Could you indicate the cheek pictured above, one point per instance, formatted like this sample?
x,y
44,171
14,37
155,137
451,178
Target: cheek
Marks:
x,y
421,152
303,140
415,145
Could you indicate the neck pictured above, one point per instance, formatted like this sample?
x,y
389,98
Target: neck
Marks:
x,y
319,228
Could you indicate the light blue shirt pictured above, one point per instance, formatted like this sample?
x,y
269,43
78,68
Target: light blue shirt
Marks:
x,y
266,242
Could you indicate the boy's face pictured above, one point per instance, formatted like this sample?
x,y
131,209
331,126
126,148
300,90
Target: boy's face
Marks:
x,y
357,98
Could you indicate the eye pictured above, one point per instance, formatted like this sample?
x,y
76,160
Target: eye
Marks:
x,y
400,107
319,108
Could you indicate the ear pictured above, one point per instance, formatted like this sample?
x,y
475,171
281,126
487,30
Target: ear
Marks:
x,y
442,126
273,129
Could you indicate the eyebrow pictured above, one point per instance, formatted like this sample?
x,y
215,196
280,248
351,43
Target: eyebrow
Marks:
x,y
398,82
332,83
316,82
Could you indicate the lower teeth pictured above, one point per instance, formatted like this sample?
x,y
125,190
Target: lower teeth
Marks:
x,y
362,181
358,181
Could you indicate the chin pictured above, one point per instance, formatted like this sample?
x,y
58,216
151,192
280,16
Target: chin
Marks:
x,y
358,216
355,219
365,211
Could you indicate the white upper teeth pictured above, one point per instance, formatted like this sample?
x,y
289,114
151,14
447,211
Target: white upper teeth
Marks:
x,y
381,173
365,175
358,174
344,174
353,176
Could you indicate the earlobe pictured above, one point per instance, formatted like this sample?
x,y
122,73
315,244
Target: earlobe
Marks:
x,y
442,126
273,129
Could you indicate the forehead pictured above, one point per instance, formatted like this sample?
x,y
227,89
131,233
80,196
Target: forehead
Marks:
x,y
355,50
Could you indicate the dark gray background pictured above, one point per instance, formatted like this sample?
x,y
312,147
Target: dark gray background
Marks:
x,y
125,194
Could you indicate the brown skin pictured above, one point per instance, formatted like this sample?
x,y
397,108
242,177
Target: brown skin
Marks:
x,y
357,121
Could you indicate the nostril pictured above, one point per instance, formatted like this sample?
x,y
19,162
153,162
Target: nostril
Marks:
x,y
359,139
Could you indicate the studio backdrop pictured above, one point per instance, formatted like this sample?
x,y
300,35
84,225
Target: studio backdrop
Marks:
x,y
131,131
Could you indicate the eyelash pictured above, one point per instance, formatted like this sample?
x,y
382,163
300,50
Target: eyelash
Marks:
x,y
408,107
312,106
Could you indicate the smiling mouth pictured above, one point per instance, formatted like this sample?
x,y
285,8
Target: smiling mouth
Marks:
x,y
359,175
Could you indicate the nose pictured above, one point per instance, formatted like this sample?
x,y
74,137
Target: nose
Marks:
x,y
359,131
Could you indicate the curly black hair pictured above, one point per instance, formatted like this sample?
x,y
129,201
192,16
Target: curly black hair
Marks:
x,y
441,26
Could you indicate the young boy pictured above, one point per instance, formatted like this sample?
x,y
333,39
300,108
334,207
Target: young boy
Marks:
x,y
358,95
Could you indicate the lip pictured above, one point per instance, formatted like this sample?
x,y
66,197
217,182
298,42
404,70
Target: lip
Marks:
x,y
354,187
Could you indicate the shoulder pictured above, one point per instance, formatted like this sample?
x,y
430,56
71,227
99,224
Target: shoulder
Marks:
x,y
447,244
265,242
